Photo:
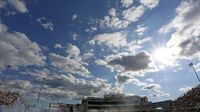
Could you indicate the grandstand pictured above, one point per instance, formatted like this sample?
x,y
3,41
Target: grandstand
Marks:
x,y
190,101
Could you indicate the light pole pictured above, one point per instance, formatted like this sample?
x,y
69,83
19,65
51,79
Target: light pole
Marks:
x,y
39,93
191,65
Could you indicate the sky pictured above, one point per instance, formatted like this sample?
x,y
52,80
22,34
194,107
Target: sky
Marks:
x,y
80,48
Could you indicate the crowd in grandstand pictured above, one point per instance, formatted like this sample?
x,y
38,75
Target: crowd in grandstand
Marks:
x,y
190,100
7,98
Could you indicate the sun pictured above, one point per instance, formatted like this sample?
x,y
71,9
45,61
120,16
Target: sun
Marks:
x,y
163,55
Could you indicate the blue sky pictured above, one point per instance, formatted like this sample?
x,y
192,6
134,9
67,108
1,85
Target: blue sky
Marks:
x,y
77,48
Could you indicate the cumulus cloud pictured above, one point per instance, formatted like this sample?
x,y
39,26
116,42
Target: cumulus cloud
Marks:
x,y
59,93
3,28
184,42
19,5
25,88
185,89
58,46
19,84
134,13
120,19
72,50
77,86
45,23
129,15
74,36
149,3
134,45
68,64
116,39
113,21
159,94
126,3
67,85
140,30
100,62
16,5
197,67
150,80
18,50
72,62
153,88
112,12
136,62
122,78
91,29
88,54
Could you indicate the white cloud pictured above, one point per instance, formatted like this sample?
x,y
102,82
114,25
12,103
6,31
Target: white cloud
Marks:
x,y
100,62
112,12
59,93
88,54
150,80
134,13
74,36
45,23
17,5
149,3
144,40
129,15
75,86
68,64
185,41
140,30
39,74
126,3
116,39
154,89
72,50
91,29
58,46
19,84
17,50
185,89
3,28
197,67
113,22
73,62
120,19
74,16
135,45
159,94
59,86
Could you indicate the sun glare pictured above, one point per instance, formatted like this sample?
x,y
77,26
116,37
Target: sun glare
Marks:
x,y
163,55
